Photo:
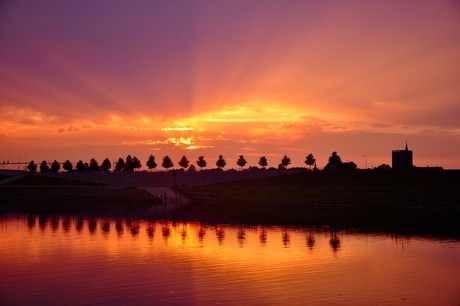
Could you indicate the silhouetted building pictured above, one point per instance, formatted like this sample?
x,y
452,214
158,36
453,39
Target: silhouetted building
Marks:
x,y
402,159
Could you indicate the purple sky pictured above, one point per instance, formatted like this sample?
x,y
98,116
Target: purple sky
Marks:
x,y
83,79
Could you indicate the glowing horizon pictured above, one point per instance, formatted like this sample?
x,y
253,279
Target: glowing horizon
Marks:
x,y
231,78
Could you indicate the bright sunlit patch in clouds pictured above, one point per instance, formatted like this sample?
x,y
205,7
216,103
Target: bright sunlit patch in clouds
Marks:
x,y
198,147
252,112
178,129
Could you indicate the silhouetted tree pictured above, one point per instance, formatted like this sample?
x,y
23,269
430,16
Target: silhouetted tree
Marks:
x,y
151,164
310,160
120,165
201,162
44,167
106,164
221,163
263,162
80,166
55,166
135,163
32,167
184,162
348,166
128,164
167,162
192,168
67,165
384,167
285,161
335,162
93,165
241,162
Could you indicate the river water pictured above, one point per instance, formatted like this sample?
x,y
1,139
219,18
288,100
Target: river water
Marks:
x,y
71,260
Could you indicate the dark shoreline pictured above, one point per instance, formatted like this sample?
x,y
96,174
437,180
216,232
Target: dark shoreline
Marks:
x,y
413,202
76,199
414,190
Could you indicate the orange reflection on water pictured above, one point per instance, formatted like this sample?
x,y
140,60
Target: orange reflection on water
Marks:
x,y
221,262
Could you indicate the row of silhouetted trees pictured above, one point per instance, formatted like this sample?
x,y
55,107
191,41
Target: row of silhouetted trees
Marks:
x,y
133,163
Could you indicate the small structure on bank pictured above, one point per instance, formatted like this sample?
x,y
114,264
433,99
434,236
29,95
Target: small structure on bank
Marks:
x,y
402,159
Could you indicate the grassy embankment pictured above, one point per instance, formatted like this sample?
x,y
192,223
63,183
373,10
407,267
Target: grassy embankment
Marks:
x,y
36,193
417,189
409,202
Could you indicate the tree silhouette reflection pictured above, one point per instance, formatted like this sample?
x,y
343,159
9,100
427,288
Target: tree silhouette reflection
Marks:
x,y
201,232
285,238
54,223
92,225
31,221
165,231
105,226
183,231
310,240
79,225
220,233
119,227
150,230
66,224
42,220
241,235
263,235
134,228
334,241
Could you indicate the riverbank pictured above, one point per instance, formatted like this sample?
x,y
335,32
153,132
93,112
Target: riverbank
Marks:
x,y
417,189
36,193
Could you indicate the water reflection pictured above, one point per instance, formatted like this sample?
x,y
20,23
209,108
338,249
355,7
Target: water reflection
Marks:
x,y
66,224
202,263
263,235
150,230
134,227
334,241
220,233
286,237
310,239
105,227
201,232
311,235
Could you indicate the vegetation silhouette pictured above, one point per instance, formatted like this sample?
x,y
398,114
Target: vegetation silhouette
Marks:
x,y
310,160
120,165
184,162
106,165
55,166
67,165
335,163
93,165
151,164
285,162
32,167
221,163
263,162
135,164
167,162
241,162
44,167
131,164
201,162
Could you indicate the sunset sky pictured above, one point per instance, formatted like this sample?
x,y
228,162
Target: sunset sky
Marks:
x,y
96,79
